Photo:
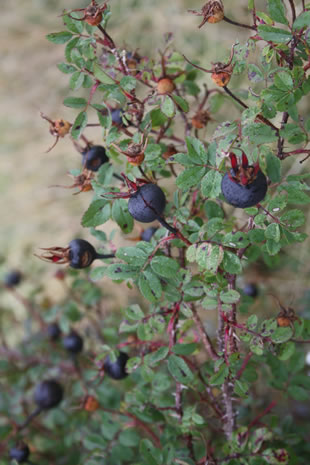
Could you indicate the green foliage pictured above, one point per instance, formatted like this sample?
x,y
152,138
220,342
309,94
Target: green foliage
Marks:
x,y
192,394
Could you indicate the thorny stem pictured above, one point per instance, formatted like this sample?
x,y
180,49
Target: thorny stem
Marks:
x,y
235,23
204,336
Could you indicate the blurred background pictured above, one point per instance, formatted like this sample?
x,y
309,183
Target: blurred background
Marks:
x,y
34,215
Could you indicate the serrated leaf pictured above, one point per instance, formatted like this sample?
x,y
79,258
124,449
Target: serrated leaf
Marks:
x,y
79,125
165,266
98,213
232,263
132,255
273,232
180,370
65,68
59,37
184,349
190,177
168,107
181,102
134,312
211,184
241,388
273,167
281,335
254,73
274,34
149,285
75,102
230,297
156,356
128,83
276,11
121,215
76,80
120,271
302,21
219,378
101,75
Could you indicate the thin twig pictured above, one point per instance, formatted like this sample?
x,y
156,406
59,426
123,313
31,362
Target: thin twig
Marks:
x,y
235,23
204,336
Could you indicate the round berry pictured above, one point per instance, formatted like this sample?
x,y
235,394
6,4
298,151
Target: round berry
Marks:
x,y
116,116
94,158
20,452
251,290
148,234
53,331
244,196
73,342
116,370
165,86
147,204
13,278
81,253
48,394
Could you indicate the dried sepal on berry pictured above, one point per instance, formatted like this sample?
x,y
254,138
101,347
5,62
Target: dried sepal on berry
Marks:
x,y
90,404
82,181
212,12
92,14
220,72
201,119
135,152
58,128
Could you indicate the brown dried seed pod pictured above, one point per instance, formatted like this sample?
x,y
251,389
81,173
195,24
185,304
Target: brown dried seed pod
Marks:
x,y
212,12
165,86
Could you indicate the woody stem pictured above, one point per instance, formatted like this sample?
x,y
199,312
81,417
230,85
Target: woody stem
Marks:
x,y
246,26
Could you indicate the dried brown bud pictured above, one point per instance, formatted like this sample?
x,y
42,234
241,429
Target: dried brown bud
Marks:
x,y
165,86
91,404
171,150
201,119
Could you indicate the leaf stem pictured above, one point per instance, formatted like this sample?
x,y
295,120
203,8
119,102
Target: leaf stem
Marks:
x,y
235,23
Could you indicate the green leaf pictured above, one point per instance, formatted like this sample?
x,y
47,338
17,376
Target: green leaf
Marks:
x,y
254,73
219,378
241,388
168,107
230,297
211,184
59,37
128,83
98,213
295,195
196,150
150,286
146,451
281,335
190,177
120,271
273,247
79,125
132,255
121,215
165,266
75,102
274,34
259,133
73,26
276,11
76,80
273,232
101,75
65,68
283,80
180,370
285,351
293,218
298,393
273,167
156,356
181,103
302,21
209,256
134,312
184,349
232,263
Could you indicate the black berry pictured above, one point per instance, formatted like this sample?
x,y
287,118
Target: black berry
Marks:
x,y
81,253
251,290
116,370
48,394
147,204
53,331
13,278
116,116
245,185
73,342
20,452
148,234
94,158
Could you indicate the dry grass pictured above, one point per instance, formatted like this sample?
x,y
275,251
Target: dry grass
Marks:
x,y
33,215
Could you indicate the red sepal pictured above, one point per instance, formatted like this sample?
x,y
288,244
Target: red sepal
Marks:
x,y
233,161
245,161
256,168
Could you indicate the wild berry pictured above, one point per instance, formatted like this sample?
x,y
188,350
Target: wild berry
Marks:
x,y
48,394
212,12
148,234
245,186
58,128
79,254
147,204
250,290
134,152
20,452
92,14
117,117
73,342
165,86
94,157
53,331
91,404
13,278
116,370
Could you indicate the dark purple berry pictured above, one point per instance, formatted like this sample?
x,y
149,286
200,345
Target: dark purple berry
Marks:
x,y
244,196
147,204
48,394
53,331
116,370
148,234
73,342
81,253
20,452
251,290
116,116
13,278
94,158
